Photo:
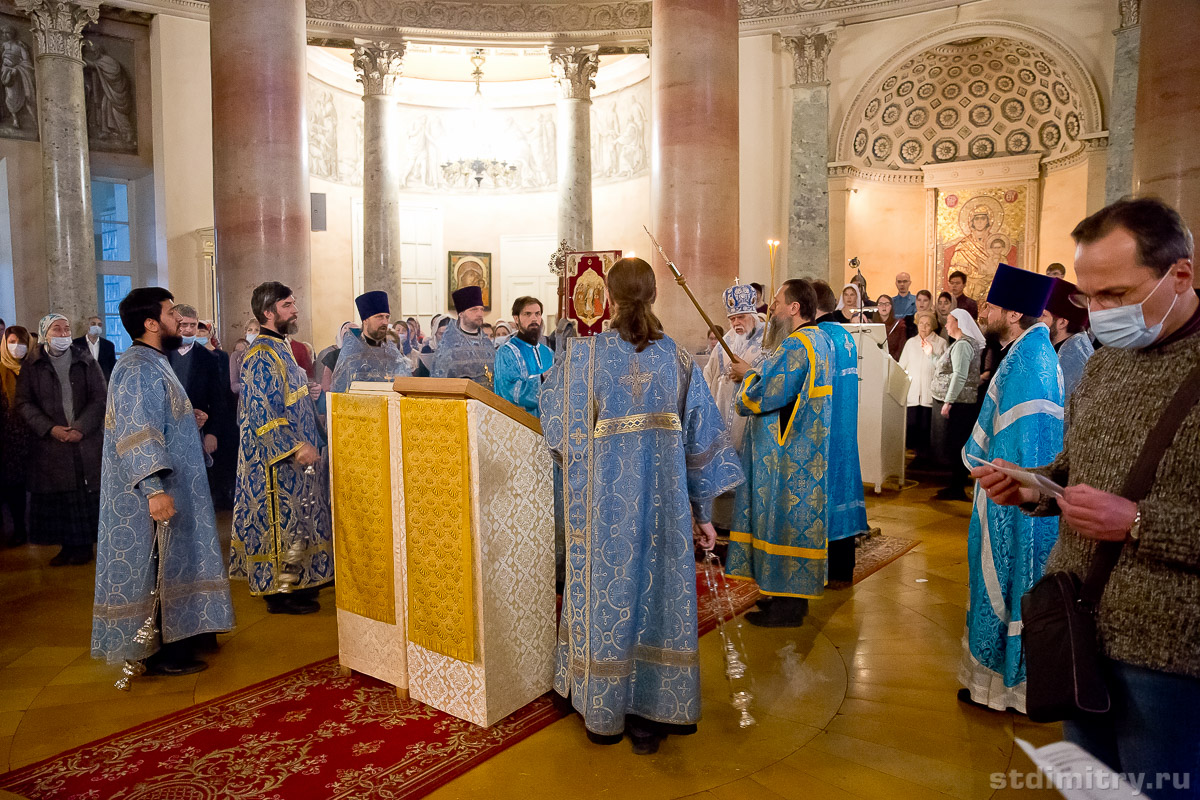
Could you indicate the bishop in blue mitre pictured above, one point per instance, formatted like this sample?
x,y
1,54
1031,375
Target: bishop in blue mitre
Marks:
x,y
523,360
282,534
781,513
847,504
369,356
628,415
465,351
1020,421
154,486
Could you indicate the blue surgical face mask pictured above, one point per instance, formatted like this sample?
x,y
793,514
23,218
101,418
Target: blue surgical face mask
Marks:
x,y
188,340
202,341
1124,327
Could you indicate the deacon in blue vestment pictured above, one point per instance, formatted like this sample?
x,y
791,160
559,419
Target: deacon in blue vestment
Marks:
x,y
643,450
1068,324
1020,421
465,351
847,504
154,472
371,357
522,360
781,513
282,536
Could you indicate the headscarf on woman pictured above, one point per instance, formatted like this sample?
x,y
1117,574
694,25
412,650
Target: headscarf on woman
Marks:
x,y
44,327
857,292
968,326
12,365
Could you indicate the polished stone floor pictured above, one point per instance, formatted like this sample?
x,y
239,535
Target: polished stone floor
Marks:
x,y
858,703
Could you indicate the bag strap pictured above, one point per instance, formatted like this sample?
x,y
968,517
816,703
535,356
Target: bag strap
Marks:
x,y
1139,480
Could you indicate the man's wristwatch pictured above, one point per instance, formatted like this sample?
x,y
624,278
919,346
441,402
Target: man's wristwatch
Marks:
x,y
1135,530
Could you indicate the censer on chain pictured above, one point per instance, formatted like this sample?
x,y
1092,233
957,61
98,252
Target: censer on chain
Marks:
x,y
736,670
149,633
293,560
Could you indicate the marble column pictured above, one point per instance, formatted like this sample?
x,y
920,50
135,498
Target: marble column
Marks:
x,y
694,158
808,205
260,153
1166,150
574,69
1118,180
66,169
378,65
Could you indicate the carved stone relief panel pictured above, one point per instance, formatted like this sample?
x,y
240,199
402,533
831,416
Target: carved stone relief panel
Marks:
x,y
108,83
18,84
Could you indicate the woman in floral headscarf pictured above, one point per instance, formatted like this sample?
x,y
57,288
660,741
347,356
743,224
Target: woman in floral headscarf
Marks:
x,y
61,397
15,352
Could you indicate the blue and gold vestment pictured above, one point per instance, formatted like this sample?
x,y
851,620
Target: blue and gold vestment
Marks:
x,y
152,445
465,355
643,449
781,513
359,361
276,417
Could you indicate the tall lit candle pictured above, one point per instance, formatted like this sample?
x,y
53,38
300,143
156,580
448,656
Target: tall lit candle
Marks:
x,y
772,246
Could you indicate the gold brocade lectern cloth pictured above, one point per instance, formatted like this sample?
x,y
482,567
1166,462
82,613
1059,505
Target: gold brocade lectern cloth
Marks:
x,y
437,490
362,501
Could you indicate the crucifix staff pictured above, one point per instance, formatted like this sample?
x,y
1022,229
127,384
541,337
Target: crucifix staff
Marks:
x,y
683,282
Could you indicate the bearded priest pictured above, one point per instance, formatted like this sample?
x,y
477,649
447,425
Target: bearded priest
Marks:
x,y
282,535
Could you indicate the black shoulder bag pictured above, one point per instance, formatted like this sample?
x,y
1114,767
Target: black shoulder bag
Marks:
x,y
1062,649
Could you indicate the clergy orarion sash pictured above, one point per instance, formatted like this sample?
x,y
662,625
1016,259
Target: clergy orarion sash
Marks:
x,y
437,501
362,506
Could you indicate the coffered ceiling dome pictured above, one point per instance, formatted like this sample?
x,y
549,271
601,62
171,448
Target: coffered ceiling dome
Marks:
x,y
969,98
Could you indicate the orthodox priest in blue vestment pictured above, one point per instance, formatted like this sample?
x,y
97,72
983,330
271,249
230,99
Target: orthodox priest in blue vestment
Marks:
x,y
464,351
523,360
282,535
644,454
1020,421
847,505
781,513
369,356
153,457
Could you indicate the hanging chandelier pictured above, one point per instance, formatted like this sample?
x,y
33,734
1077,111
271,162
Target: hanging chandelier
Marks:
x,y
460,172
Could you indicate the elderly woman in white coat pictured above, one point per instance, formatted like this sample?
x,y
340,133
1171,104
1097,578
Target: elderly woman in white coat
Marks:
x,y
920,354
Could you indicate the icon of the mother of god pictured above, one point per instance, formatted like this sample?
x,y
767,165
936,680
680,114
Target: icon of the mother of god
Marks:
x,y
981,247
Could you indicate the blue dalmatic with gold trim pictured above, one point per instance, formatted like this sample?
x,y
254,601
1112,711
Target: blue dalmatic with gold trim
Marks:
x,y
152,445
276,418
781,513
643,450
847,504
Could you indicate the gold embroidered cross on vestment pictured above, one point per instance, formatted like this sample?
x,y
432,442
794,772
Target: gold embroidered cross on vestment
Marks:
x,y
636,381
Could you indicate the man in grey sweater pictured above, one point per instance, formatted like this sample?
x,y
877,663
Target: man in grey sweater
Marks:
x,y
1135,274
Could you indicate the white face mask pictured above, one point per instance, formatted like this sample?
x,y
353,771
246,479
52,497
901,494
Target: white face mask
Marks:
x,y
250,337
1124,327
17,349
60,344
95,330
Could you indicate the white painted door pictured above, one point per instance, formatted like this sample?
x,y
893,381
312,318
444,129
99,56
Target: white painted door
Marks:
x,y
423,273
524,269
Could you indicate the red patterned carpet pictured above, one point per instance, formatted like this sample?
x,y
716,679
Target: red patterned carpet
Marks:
x,y
310,734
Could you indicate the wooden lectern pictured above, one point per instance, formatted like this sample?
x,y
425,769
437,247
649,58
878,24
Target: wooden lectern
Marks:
x,y
443,515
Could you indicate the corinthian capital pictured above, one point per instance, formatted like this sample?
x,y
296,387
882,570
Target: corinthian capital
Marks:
x,y
574,69
58,24
378,66
810,54
1131,13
